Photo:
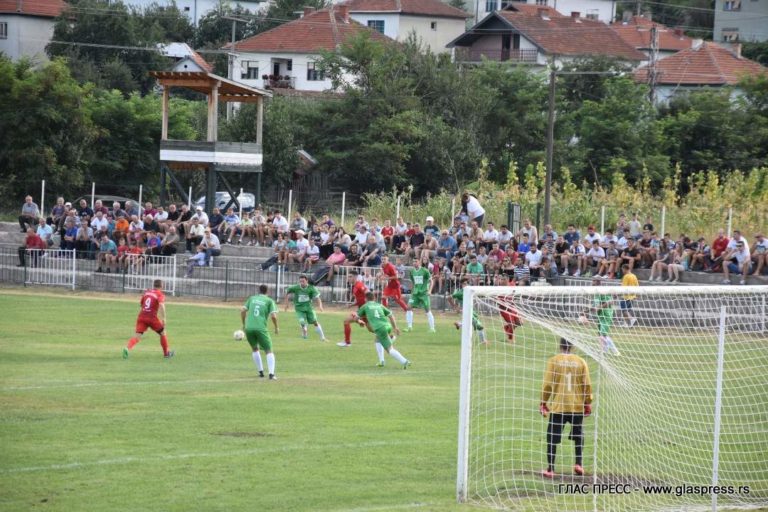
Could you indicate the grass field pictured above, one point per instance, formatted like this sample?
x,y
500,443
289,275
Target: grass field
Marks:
x,y
83,429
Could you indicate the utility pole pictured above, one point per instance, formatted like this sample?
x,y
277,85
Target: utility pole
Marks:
x,y
652,71
232,57
550,141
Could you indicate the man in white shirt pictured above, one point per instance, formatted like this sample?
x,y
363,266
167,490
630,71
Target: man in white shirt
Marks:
x,y
45,232
100,224
608,238
505,237
531,231
592,236
760,253
300,253
737,238
743,261
490,236
279,225
533,260
635,227
211,245
595,254
201,216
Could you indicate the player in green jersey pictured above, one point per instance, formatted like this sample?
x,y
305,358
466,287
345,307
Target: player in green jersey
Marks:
x,y
381,322
422,283
255,313
602,306
457,299
303,295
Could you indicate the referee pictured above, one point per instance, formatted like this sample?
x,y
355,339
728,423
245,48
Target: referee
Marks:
x,y
568,390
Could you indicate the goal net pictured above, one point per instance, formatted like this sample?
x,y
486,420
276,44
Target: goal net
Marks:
x,y
679,412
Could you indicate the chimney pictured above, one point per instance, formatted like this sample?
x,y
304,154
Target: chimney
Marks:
x,y
344,12
736,49
697,43
308,11
575,15
542,12
678,32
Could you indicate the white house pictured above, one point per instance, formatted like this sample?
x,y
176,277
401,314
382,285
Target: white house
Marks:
x,y
196,9
287,56
737,20
432,21
601,10
534,35
27,27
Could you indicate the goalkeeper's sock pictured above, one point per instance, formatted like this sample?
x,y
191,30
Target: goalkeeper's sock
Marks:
x,y
319,330
397,355
132,342
257,360
271,363
430,320
380,352
164,344
409,318
481,336
347,332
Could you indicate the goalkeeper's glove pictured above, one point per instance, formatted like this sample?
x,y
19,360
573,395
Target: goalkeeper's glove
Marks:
x,y
543,409
587,409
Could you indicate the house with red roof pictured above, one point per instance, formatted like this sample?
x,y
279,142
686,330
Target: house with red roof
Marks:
x,y
288,56
26,27
705,65
640,31
599,10
530,34
432,21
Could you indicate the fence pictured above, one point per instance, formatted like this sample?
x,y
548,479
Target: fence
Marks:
x,y
54,267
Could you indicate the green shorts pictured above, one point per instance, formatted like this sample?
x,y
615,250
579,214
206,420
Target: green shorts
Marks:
x,y
259,339
382,336
604,324
419,300
476,325
306,317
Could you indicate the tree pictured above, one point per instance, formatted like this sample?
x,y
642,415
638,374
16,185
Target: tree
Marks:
x,y
756,51
45,132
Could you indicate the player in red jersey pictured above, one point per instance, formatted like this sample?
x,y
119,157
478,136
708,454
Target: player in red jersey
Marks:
x,y
358,291
392,288
152,303
508,311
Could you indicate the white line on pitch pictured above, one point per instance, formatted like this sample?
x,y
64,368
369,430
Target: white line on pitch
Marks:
x,y
385,507
182,456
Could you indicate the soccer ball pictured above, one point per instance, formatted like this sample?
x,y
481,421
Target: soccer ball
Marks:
x,y
238,335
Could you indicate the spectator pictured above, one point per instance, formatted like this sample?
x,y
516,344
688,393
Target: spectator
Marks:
x,y
117,211
343,239
471,206
84,211
648,226
360,222
172,217
621,225
122,253
431,228
475,270
664,257
184,220
428,248
595,255
154,241
460,260
135,258
216,222
354,257
388,232
149,209
312,255
280,249
361,235
107,255
495,257
70,234
371,253
524,246
161,217
230,227
417,240
533,259
719,247
607,239
446,246
579,254
530,230
30,212
260,225
737,238
737,260
45,232
132,209
36,247
548,243
571,235
505,237
211,245
592,236
57,214
400,233
168,246
548,231
247,229
335,260
562,254
760,254
98,206
298,223
279,225
675,267
700,257
608,264
631,255
84,241
327,241
194,234
374,228
522,273
298,252
198,260
327,221
136,229
490,236
201,216
100,224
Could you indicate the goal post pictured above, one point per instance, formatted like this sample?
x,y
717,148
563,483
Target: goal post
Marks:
x,y
679,398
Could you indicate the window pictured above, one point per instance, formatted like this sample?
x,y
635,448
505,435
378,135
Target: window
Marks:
x,y
730,35
490,5
541,2
593,14
4,30
377,25
249,70
433,25
314,74
732,5
186,9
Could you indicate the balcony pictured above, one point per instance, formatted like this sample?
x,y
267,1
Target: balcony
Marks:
x,y
279,81
468,54
236,156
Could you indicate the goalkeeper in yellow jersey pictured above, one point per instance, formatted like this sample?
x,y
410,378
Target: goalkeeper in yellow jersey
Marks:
x,y
567,389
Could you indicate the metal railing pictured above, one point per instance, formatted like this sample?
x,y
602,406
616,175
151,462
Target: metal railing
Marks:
x,y
465,54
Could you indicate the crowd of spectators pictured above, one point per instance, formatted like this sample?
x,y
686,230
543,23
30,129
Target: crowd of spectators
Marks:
x,y
124,236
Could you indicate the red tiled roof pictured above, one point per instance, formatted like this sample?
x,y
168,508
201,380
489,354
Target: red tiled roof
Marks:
x,y
434,8
200,61
709,64
565,35
46,8
531,9
637,33
320,30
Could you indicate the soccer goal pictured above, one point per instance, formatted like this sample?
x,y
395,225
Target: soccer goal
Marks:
x,y
679,411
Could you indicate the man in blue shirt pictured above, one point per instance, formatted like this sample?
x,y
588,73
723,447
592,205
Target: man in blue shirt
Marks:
x,y
446,245
107,255
571,235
